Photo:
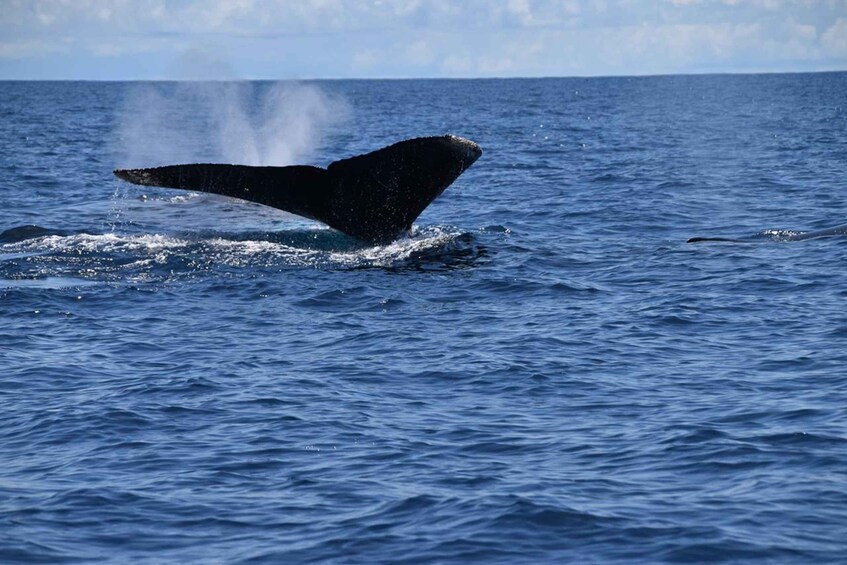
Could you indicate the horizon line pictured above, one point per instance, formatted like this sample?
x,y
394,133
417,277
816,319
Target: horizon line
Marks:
x,y
411,78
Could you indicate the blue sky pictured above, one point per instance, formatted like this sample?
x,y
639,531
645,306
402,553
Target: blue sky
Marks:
x,y
279,39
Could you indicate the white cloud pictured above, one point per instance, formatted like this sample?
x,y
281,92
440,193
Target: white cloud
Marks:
x,y
270,38
834,39
365,60
457,65
419,53
26,48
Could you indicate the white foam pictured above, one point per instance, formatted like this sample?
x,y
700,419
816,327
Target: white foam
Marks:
x,y
140,255
397,251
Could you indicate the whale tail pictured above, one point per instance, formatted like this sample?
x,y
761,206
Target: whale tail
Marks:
x,y
373,197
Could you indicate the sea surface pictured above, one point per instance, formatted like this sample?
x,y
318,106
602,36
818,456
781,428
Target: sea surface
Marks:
x,y
543,370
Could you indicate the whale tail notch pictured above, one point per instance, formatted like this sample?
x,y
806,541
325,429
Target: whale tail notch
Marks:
x,y
373,197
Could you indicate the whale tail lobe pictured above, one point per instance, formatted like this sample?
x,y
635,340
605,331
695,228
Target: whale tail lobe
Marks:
x,y
373,197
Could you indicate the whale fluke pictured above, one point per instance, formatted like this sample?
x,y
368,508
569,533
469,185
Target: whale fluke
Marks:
x,y
373,197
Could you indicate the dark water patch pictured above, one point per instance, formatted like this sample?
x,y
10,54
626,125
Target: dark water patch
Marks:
x,y
339,300
30,231
729,550
803,439
21,233
524,286
496,228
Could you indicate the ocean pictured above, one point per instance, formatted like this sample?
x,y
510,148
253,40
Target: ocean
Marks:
x,y
543,370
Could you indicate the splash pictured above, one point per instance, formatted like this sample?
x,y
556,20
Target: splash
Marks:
x,y
279,123
114,257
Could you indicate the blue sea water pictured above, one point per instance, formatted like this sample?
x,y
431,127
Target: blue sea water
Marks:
x,y
543,371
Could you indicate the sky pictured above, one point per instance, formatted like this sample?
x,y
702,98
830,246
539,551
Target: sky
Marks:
x,y
291,39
